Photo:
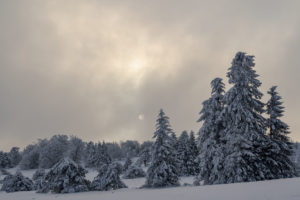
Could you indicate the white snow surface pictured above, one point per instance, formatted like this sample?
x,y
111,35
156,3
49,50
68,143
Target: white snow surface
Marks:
x,y
283,189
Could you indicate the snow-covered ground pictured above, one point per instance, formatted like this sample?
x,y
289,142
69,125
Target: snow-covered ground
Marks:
x,y
284,189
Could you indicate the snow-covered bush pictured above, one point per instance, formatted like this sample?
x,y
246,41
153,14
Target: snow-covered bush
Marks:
x,y
127,163
108,178
38,178
17,182
65,177
134,172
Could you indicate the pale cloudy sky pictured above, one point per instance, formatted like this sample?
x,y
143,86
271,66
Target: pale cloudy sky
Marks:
x,y
101,70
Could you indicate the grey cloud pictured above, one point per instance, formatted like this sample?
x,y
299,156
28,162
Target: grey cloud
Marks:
x,y
65,66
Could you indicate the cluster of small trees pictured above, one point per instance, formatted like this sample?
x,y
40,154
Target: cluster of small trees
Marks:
x,y
47,152
236,143
11,158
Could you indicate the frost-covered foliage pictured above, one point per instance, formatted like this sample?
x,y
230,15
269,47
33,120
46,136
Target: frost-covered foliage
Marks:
x,y
183,153
17,182
244,133
281,149
145,154
38,178
134,171
108,178
278,129
14,156
97,155
65,177
4,160
53,150
210,147
38,174
163,169
30,157
130,148
193,165
114,150
127,163
187,153
76,149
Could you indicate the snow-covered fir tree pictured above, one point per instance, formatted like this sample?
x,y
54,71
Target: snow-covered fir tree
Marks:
x,y
245,128
127,163
210,148
174,140
187,153
281,149
89,152
17,182
163,169
65,177
134,171
193,165
183,153
108,178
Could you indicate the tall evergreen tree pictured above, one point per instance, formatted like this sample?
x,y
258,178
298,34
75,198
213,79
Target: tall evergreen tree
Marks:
x,y
183,153
193,166
163,168
210,147
282,148
245,127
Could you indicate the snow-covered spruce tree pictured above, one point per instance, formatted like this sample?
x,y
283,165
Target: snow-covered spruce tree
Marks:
x,y
65,177
108,178
89,154
134,171
281,148
210,156
183,153
244,135
163,169
127,163
193,165
17,182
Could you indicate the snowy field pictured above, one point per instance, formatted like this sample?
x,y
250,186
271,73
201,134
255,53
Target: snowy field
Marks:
x,y
284,189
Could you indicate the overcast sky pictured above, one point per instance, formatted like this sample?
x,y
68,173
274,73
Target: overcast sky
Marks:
x,y
101,70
